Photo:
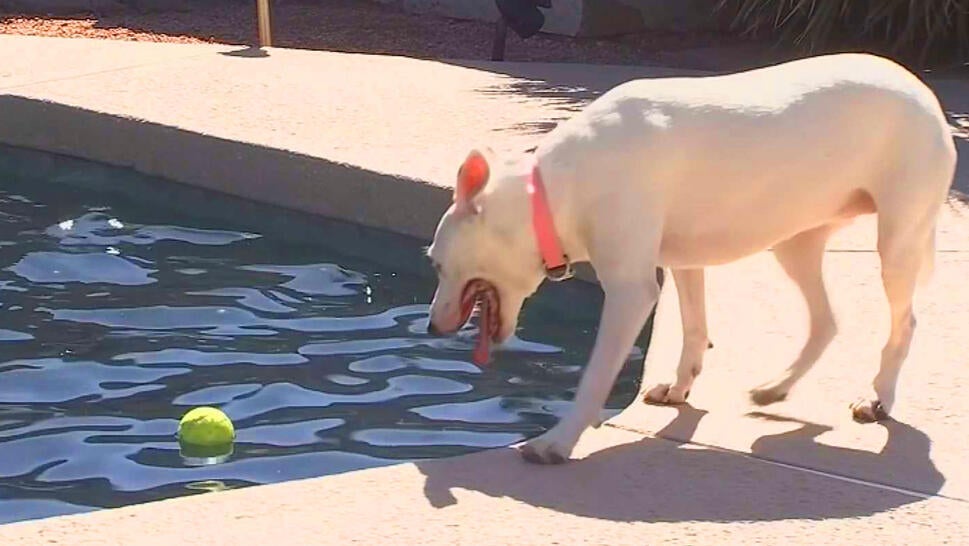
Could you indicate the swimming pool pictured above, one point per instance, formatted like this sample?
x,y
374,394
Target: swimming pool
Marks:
x,y
126,300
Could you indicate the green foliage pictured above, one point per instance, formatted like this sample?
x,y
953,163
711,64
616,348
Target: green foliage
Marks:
x,y
918,31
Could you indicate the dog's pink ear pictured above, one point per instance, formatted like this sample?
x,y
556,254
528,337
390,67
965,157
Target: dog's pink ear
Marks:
x,y
472,178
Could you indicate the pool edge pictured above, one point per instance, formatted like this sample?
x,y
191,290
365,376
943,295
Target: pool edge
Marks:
x,y
254,172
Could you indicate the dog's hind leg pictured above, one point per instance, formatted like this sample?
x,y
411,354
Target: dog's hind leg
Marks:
x,y
905,245
690,292
801,258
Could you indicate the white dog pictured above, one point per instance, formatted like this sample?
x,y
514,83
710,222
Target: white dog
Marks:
x,y
684,173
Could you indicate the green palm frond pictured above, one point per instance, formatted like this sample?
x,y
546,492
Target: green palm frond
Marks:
x,y
919,31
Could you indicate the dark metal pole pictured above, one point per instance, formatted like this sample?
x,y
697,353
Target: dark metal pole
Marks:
x,y
501,32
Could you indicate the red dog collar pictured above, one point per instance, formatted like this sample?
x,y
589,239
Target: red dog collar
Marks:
x,y
557,264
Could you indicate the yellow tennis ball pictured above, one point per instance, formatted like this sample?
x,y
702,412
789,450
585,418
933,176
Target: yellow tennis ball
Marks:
x,y
206,426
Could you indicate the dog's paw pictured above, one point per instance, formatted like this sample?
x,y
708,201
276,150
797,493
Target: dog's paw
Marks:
x,y
765,396
549,448
666,394
868,411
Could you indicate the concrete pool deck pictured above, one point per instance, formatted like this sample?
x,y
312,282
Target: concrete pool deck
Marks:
x,y
376,140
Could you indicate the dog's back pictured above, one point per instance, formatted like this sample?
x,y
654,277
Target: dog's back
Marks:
x,y
738,162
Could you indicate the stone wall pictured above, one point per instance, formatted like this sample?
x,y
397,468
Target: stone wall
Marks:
x,y
586,17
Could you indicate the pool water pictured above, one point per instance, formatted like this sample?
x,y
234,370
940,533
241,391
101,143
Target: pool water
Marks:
x,y
125,301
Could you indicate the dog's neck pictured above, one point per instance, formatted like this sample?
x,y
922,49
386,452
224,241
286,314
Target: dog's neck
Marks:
x,y
513,199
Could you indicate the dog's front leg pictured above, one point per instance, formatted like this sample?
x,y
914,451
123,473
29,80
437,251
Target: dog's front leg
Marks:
x,y
624,312
690,290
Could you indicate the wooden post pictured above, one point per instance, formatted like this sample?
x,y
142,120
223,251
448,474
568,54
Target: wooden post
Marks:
x,y
501,32
265,27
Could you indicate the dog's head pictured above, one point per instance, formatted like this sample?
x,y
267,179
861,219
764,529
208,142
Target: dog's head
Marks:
x,y
484,249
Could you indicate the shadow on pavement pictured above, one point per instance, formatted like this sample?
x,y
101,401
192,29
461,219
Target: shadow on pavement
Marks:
x,y
566,88
657,480
904,460
251,52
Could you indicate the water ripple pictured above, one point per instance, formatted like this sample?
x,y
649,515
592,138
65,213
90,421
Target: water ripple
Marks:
x,y
191,357
99,229
316,279
118,317
54,380
225,318
59,267
13,335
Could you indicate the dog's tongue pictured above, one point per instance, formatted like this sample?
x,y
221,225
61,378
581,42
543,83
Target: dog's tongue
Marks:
x,y
482,349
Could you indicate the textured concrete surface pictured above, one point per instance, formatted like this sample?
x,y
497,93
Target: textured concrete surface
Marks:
x,y
376,140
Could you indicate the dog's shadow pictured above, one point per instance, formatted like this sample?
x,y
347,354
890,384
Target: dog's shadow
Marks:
x,y
656,480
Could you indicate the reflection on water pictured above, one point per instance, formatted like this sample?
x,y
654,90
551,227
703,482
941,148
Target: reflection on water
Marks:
x,y
117,316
